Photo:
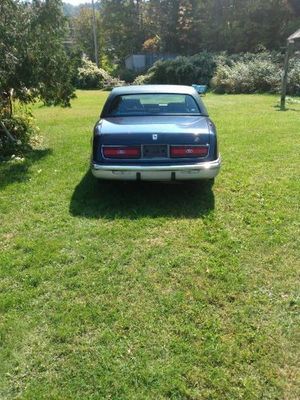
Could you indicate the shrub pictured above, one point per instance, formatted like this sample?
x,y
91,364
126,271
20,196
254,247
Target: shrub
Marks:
x,y
92,77
236,73
256,75
142,79
293,87
112,83
205,64
183,70
265,76
126,75
262,55
225,80
16,133
161,72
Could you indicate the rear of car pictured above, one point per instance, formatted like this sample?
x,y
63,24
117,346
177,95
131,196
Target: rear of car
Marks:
x,y
155,132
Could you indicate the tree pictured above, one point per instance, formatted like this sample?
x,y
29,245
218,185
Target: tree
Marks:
x,y
82,25
33,60
295,6
161,18
122,26
187,27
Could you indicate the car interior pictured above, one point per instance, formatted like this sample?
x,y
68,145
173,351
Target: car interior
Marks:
x,y
134,106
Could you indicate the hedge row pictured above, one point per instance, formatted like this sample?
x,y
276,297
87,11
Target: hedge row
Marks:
x,y
242,73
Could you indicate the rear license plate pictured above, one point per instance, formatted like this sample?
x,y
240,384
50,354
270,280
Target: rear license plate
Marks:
x,y
155,151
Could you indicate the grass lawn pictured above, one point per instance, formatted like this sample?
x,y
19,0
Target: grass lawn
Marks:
x,y
152,291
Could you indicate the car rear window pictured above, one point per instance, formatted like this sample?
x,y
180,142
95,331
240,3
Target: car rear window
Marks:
x,y
153,104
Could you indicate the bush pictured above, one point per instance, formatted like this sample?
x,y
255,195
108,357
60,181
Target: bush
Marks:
x,y
142,80
293,87
126,75
257,75
205,65
16,134
183,70
237,73
92,77
112,83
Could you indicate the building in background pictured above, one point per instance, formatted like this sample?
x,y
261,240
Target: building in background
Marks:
x,y
142,62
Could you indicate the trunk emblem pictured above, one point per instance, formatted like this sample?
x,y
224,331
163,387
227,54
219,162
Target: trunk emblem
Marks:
x,y
154,137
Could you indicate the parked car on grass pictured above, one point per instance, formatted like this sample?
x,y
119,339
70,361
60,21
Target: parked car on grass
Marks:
x,y
157,133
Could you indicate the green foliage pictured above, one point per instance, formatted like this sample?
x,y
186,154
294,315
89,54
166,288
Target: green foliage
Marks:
x,y
91,77
33,61
205,64
126,75
294,78
179,71
255,73
184,70
107,64
82,29
247,77
141,79
186,27
237,73
21,130
183,27
122,27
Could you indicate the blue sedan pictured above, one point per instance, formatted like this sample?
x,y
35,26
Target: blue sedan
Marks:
x,y
156,133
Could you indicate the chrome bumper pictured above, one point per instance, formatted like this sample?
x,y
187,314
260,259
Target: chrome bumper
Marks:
x,y
204,170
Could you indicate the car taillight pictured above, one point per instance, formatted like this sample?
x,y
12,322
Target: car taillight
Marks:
x,y
188,151
121,151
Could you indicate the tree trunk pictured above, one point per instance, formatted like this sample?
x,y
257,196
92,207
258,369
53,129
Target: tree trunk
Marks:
x,y
6,112
6,104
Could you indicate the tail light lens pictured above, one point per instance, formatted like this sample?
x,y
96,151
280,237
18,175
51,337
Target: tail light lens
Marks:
x,y
188,151
121,151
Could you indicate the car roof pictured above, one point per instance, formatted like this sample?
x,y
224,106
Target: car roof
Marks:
x,y
178,89
164,89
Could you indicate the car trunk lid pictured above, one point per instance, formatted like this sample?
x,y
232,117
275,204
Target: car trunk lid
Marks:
x,y
155,130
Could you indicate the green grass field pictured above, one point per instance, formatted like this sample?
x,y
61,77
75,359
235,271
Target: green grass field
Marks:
x,y
152,291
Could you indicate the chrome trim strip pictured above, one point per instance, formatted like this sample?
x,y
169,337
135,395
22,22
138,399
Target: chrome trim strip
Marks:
x,y
207,170
207,165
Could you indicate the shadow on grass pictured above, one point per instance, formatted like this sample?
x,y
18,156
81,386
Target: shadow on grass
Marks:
x,y
133,200
294,109
18,171
287,108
